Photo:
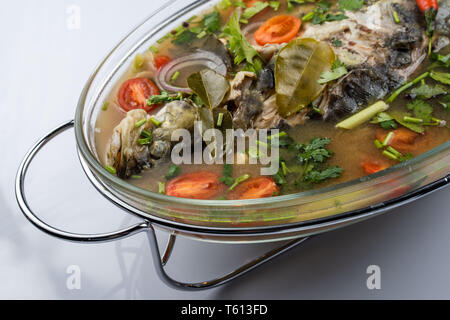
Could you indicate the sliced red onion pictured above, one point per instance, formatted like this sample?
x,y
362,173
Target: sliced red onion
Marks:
x,y
200,57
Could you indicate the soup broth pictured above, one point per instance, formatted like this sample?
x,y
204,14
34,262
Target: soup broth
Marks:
x,y
364,149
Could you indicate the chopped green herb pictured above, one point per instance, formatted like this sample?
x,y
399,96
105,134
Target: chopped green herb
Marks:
x,y
227,175
146,134
445,102
338,69
110,169
412,119
105,106
154,49
140,123
440,60
175,76
389,155
239,45
220,119
336,42
317,176
253,10
164,97
225,4
425,91
388,139
315,151
211,22
394,152
421,109
378,144
173,171
350,4
442,77
144,141
395,16
407,85
274,5
138,61
239,180
161,187
155,121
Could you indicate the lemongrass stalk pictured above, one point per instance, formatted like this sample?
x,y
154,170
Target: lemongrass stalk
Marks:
x,y
363,115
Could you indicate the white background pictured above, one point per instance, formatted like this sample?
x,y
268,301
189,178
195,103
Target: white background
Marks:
x,y
43,67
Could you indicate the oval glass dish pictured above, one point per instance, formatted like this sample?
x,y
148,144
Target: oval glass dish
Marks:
x,y
274,218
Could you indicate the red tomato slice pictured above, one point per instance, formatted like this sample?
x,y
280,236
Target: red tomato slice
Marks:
x,y
197,185
373,167
133,94
160,61
404,140
279,29
261,187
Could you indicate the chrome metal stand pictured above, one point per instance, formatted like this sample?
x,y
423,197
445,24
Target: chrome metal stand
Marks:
x,y
143,226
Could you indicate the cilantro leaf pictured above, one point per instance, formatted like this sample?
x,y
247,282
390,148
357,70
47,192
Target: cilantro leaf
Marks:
x,y
317,176
385,121
239,45
211,21
227,175
253,10
315,151
350,4
173,171
425,91
184,37
335,17
336,42
338,69
399,116
441,77
445,102
421,109
441,60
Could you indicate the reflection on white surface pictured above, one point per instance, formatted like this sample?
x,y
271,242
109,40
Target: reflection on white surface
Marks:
x,y
44,66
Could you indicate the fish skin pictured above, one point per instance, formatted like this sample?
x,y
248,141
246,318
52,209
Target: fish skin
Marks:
x,y
379,54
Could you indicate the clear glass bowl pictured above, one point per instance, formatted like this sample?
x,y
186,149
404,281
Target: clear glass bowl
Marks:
x,y
275,217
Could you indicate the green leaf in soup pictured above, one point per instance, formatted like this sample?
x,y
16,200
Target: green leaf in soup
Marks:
x,y
297,70
210,86
224,121
442,77
398,116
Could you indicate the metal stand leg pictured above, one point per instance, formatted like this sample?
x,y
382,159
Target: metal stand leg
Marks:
x,y
161,262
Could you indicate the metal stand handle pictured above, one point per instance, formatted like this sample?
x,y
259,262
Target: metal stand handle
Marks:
x,y
131,230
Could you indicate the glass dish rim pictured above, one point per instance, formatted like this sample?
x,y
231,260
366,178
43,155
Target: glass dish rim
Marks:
x,y
91,159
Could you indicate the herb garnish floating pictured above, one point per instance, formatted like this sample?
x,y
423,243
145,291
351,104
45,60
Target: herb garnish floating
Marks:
x,y
338,69
425,91
252,11
164,97
445,102
351,5
290,3
385,121
442,77
173,171
310,168
227,175
240,47
191,30
440,60
321,14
